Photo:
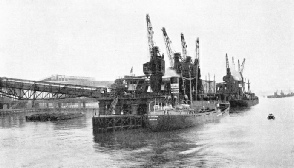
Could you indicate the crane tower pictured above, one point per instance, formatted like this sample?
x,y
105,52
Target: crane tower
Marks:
x,y
184,47
169,50
155,68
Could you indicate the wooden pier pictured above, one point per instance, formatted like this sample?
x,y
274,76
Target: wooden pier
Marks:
x,y
108,123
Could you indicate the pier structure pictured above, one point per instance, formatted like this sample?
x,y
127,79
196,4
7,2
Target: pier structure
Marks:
x,y
123,113
41,95
110,123
129,113
20,89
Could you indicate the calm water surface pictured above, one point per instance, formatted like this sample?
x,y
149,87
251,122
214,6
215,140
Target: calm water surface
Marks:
x,y
243,139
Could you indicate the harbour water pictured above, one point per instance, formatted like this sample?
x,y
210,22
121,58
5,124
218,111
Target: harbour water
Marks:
x,y
245,138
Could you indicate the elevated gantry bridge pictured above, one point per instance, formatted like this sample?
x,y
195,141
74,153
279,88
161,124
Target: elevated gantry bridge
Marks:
x,y
20,89
46,92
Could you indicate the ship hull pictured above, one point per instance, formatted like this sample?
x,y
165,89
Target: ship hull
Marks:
x,y
279,96
243,103
169,122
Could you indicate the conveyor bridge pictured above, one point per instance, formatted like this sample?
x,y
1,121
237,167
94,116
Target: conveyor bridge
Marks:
x,y
20,89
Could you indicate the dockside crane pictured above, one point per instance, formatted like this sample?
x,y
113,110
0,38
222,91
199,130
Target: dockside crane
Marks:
x,y
227,65
184,47
169,50
198,83
183,58
238,65
233,63
155,68
197,59
150,35
241,73
242,67
197,52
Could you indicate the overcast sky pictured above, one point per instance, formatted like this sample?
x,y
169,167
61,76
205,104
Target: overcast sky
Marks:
x,y
104,39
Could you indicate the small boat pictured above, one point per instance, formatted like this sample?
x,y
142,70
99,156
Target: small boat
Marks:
x,y
271,117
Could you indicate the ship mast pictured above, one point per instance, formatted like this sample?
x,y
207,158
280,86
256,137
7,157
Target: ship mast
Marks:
x,y
197,65
191,99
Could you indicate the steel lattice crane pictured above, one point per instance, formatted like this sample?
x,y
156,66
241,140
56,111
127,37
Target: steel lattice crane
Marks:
x,y
155,67
233,63
169,50
227,62
197,74
184,47
197,51
238,65
242,66
150,35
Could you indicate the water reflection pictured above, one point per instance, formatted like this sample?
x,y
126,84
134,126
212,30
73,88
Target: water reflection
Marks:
x,y
12,120
76,123
18,120
245,138
147,148
239,110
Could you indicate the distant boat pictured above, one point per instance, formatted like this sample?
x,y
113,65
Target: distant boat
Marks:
x,y
271,117
281,95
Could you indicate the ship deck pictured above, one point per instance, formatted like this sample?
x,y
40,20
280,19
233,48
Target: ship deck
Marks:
x,y
180,112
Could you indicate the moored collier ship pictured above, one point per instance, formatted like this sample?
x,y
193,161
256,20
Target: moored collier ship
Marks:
x,y
167,118
233,88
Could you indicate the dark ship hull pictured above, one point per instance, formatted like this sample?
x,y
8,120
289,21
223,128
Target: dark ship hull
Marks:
x,y
275,96
174,119
243,103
